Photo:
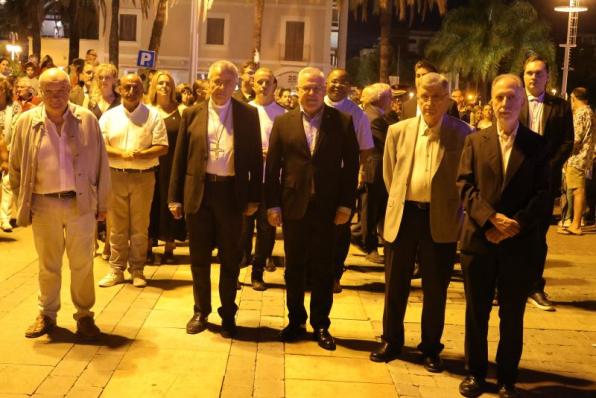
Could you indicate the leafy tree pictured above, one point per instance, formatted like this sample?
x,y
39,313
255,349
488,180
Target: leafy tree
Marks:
x,y
489,37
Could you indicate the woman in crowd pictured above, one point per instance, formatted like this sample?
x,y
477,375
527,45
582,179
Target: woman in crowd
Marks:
x,y
163,226
486,119
184,96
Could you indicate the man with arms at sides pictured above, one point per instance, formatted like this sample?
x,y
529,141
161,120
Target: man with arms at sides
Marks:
x,y
338,88
217,176
59,173
410,108
314,148
423,217
503,183
246,92
264,87
135,137
550,117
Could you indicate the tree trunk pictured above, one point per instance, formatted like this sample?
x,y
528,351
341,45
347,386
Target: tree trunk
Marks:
x,y
258,25
74,33
158,24
385,45
36,29
114,45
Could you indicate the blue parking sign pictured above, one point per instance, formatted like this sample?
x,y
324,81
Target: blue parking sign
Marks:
x,y
146,59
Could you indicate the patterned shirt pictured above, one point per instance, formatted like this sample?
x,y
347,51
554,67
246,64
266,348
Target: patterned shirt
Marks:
x,y
583,125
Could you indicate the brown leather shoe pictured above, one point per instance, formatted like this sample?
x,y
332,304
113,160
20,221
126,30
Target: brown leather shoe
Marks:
x,y
42,325
87,329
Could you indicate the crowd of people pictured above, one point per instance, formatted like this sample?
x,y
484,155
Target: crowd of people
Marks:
x,y
213,161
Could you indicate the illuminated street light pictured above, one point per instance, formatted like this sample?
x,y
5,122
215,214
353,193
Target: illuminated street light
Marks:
x,y
572,9
13,49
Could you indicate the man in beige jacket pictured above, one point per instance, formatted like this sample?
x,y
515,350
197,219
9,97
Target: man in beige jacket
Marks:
x,y
58,170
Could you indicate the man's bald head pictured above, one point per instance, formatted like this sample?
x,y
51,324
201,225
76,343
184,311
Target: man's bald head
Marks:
x,y
131,90
54,75
264,84
54,85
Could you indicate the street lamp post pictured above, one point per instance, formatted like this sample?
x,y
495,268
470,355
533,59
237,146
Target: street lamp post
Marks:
x,y
573,9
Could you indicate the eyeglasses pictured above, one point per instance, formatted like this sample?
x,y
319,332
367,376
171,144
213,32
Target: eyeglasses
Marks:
x,y
312,89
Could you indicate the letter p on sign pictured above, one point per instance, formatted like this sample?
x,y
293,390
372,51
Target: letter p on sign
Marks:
x,y
146,59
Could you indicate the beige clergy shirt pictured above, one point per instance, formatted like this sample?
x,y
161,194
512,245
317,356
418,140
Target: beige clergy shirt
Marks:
x,y
506,143
535,112
426,154
220,136
136,130
55,171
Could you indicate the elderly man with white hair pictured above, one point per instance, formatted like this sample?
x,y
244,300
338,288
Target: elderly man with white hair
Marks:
x,y
217,175
314,150
59,172
423,216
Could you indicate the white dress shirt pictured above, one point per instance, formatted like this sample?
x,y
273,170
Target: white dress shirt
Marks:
x,y
132,131
535,113
361,122
220,136
267,114
311,124
426,154
55,171
506,143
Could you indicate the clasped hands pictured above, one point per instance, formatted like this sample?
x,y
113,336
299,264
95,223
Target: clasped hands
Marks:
x,y
503,228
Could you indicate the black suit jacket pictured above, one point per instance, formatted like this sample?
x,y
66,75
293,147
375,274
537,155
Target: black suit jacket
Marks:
x,y
557,120
520,194
373,168
187,181
409,109
332,168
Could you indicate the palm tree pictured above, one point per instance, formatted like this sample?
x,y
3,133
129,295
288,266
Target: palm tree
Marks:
x,y
385,9
28,16
258,26
161,18
114,40
488,37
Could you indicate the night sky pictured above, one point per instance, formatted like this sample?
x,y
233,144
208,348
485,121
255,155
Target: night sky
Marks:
x,y
364,35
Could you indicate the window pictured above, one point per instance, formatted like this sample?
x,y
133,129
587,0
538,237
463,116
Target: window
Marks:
x,y
294,43
215,31
128,27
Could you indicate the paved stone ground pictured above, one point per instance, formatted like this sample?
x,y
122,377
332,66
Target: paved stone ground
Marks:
x,y
145,351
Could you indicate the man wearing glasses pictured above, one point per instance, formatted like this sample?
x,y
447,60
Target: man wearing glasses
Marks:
x,y
314,149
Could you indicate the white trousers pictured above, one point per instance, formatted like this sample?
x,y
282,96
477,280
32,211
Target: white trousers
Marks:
x,y
6,202
57,225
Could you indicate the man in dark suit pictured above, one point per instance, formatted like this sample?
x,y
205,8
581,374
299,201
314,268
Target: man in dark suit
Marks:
x,y
503,183
550,117
423,217
410,107
315,151
216,179
246,93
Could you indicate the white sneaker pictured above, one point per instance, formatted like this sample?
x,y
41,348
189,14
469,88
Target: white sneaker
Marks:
x,y
138,279
6,227
111,279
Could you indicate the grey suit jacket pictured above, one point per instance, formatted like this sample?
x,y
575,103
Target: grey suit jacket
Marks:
x,y
445,205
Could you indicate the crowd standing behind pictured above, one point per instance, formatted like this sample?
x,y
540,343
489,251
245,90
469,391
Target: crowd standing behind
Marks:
x,y
141,159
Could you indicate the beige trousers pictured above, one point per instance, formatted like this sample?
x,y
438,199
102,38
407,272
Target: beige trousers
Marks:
x,y
57,225
129,209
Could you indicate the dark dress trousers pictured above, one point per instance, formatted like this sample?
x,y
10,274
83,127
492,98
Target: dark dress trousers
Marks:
x,y
427,231
520,194
557,122
213,209
309,189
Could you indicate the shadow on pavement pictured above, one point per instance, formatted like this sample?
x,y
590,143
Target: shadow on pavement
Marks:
x,y
589,305
168,284
63,335
260,334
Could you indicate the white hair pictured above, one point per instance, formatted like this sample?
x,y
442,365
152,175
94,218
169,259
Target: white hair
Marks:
x,y
515,78
433,79
223,65
372,94
312,71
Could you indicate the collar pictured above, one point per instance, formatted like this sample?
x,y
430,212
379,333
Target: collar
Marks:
x,y
315,117
335,104
39,113
503,136
64,115
539,98
135,111
434,130
219,108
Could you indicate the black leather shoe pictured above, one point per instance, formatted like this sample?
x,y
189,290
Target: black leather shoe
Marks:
x,y
337,286
324,338
257,282
387,352
471,387
508,391
228,329
197,324
434,364
292,333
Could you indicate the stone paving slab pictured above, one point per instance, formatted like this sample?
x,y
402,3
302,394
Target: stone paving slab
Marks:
x,y
145,351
